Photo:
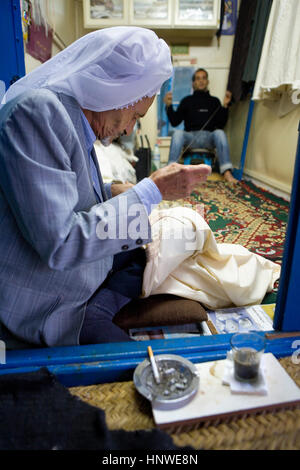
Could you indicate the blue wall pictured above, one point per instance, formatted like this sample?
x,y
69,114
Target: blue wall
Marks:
x,y
12,64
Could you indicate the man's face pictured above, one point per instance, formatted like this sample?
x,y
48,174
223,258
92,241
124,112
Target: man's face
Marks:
x,y
201,81
109,125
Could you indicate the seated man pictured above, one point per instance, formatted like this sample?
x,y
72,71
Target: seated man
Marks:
x,y
71,251
204,119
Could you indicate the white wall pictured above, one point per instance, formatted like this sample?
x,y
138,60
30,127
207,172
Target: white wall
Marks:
x,y
62,19
68,19
272,141
208,54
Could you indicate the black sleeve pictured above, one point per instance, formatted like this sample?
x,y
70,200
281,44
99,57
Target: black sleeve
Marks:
x,y
176,117
221,116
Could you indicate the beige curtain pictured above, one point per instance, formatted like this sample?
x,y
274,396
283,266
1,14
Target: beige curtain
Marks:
x,y
278,77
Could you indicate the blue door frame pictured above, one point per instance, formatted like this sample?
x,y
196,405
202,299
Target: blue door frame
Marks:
x,y
11,37
103,363
287,312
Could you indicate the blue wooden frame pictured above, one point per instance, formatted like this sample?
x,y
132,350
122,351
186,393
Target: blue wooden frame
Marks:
x,y
238,172
287,312
102,363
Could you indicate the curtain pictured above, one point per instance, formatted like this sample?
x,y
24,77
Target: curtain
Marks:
x,y
240,49
278,76
258,31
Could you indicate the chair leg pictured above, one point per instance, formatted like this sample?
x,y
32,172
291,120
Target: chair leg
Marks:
x,y
187,160
206,158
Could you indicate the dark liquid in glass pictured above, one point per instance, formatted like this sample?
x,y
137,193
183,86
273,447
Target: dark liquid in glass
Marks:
x,y
246,364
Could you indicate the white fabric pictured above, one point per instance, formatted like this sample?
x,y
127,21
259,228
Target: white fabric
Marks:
x,y
278,75
115,163
184,259
107,69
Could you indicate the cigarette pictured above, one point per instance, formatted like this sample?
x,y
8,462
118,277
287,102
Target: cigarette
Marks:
x,y
153,365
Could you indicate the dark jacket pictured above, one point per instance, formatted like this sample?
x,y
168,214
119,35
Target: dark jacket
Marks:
x,y
196,109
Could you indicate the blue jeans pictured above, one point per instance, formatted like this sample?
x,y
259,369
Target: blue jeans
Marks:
x,y
202,139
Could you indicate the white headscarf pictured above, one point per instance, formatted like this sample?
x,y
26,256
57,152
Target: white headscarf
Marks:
x,y
111,68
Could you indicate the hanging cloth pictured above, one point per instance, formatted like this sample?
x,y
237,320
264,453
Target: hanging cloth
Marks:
x,y
278,75
259,27
240,49
222,13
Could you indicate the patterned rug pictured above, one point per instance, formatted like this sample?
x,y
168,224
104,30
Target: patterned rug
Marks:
x,y
244,214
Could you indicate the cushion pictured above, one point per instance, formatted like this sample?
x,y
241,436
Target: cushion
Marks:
x,y
159,310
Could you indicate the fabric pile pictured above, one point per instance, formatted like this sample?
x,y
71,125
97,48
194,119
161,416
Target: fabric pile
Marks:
x,y
115,163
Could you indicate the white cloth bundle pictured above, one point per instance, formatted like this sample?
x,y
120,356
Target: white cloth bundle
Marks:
x,y
259,387
115,163
184,259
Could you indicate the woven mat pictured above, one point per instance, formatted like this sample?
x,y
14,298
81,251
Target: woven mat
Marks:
x,y
126,409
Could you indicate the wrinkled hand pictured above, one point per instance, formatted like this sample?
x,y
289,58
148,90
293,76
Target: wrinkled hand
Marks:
x,y
118,188
177,181
168,98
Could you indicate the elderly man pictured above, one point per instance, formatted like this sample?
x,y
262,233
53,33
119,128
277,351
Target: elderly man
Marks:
x,y
70,248
204,119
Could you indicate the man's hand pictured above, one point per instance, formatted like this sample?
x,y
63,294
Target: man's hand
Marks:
x,y
227,99
118,188
177,181
168,98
